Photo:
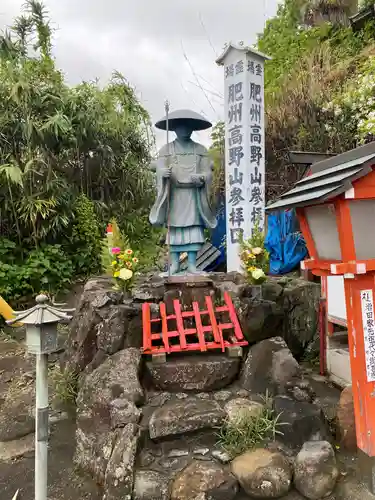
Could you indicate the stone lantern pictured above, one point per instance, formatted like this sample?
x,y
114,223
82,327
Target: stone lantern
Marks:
x,y
41,339
336,210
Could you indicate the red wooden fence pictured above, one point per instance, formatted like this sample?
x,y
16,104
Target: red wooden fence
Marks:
x,y
200,337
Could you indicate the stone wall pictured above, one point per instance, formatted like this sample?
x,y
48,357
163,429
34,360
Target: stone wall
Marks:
x,y
148,431
106,322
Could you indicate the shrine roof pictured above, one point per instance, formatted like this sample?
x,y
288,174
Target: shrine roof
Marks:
x,y
329,178
243,48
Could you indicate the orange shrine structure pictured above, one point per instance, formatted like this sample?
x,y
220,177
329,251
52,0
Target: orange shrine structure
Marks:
x,y
335,206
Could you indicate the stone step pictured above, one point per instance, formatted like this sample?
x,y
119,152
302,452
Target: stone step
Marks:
x,y
200,373
180,417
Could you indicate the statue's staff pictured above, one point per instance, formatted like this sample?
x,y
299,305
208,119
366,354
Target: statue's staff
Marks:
x,y
168,190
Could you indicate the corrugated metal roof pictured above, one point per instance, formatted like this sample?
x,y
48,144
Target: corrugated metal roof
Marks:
x,y
338,168
353,154
308,197
327,183
320,182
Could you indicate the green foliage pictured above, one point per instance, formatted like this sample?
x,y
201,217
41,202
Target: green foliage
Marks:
x,y
363,4
71,158
85,243
354,106
116,240
287,41
47,268
216,152
248,431
64,385
314,53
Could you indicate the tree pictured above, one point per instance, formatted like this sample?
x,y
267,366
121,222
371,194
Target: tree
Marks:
x,y
59,142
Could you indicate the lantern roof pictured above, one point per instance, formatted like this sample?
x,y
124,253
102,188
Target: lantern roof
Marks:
x,y
41,314
329,179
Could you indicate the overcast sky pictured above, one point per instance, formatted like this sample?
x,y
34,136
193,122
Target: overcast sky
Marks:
x,y
161,46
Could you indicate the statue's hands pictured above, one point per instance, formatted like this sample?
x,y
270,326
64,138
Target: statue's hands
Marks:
x,y
198,179
166,172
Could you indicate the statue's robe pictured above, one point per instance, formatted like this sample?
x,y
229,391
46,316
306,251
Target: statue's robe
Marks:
x,y
189,207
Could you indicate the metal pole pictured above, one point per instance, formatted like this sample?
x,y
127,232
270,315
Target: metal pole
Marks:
x,y
169,191
41,434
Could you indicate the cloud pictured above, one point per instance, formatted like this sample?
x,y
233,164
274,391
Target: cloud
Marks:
x,y
165,48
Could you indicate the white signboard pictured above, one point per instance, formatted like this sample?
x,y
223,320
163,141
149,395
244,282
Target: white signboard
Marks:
x,y
244,146
367,304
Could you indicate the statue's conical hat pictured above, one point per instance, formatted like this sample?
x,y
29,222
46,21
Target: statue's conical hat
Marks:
x,y
195,120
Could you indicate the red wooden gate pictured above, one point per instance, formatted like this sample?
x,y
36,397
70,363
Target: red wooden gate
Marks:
x,y
200,337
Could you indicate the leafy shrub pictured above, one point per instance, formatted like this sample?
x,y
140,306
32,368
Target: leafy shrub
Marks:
x,y
47,268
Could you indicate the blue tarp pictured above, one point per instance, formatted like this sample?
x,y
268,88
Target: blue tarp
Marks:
x,y
218,236
284,242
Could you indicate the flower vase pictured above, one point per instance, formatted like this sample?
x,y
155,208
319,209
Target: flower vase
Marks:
x,y
256,292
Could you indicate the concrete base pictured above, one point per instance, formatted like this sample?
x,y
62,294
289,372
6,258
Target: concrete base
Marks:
x,y
366,470
234,351
189,280
159,359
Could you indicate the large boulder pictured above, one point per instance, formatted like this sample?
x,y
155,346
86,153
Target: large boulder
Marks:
x,y
301,306
269,367
102,324
346,420
120,328
194,373
116,378
106,402
259,319
187,415
240,408
204,480
315,470
299,421
263,474
94,304
93,450
150,485
119,476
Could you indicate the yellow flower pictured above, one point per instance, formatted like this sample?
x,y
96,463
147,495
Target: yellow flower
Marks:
x,y
114,263
257,251
116,274
125,274
129,251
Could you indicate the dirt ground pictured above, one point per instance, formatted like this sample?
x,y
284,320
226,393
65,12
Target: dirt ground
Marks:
x,y
17,438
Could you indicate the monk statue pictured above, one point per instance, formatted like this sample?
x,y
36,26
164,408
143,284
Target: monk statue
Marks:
x,y
184,175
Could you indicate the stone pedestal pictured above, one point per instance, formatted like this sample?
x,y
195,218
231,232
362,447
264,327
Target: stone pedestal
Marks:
x,y
187,289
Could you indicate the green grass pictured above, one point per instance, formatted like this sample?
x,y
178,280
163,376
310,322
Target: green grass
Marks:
x,y
64,385
249,432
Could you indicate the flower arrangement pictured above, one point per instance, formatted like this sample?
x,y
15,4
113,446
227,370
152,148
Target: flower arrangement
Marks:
x,y
124,265
254,257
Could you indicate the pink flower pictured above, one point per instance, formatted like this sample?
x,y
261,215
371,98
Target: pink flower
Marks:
x,y
116,250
